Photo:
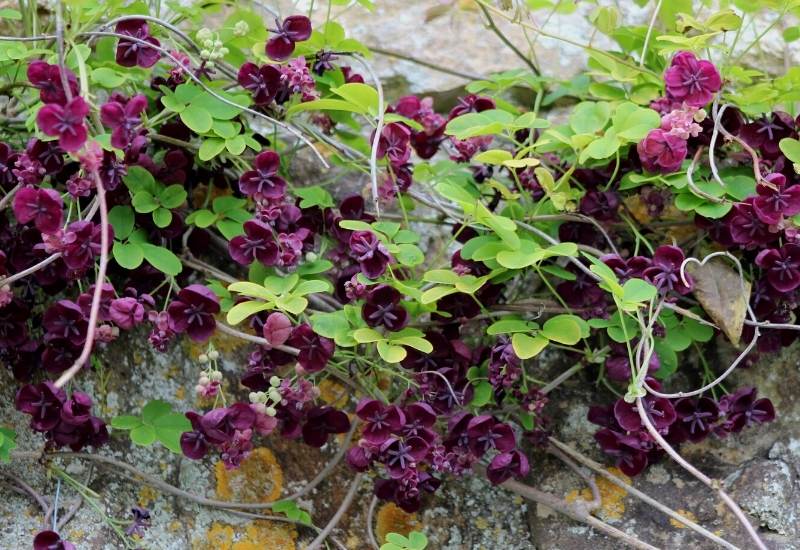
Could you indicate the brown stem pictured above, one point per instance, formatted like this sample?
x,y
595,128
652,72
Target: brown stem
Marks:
x,y
337,517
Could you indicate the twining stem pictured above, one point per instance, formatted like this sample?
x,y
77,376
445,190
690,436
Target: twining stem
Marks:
x,y
506,41
337,517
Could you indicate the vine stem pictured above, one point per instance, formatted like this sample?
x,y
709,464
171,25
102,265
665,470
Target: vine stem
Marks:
x,y
94,312
222,327
370,520
373,156
8,196
422,63
589,463
337,517
652,24
504,39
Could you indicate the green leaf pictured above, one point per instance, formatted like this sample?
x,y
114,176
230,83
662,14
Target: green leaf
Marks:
x,y
564,329
409,255
143,202
482,395
143,435
526,346
638,291
632,123
493,121
243,310
128,255
417,342
520,258
169,428
508,326
197,119
172,196
202,218
493,156
162,217
601,148
155,409
125,422
390,353
314,195
210,148
8,442
121,218
367,336
108,78
162,259
325,105
588,117
139,179
791,148
362,95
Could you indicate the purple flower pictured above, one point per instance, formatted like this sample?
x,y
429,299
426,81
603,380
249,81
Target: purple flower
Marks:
x,y
315,350
505,465
294,28
321,422
600,205
257,243
141,521
263,82
661,152
664,272
43,402
65,320
775,200
370,253
66,122
395,143
130,53
696,417
382,309
625,269
43,207
47,78
193,312
402,455
277,328
746,227
264,181
112,170
126,312
82,243
8,159
692,81
194,444
380,420
631,453
123,119
658,409
766,133
486,434
782,266
742,408
50,540
471,104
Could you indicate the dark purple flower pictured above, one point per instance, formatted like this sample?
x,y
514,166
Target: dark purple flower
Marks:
x,y
47,78
315,350
766,133
664,272
506,465
43,207
123,119
263,83
742,408
485,434
126,312
294,28
746,227
82,243
77,410
370,253
632,456
658,409
395,143
782,266
692,81
194,444
696,417
600,205
13,323
718,229
775,200
112,171
420,417
257,243
193,312
630,268
403,454
65,320
264,181
141,521
380,420
50,540
66,122
130,53
661,151
381,308
43,402
8,159
321,422
471,104
277,328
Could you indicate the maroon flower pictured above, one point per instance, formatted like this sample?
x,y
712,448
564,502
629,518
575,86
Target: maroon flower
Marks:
x,y
13,323
746,227
50,540
264,181
77,409
65,320
380,420
505,465
130,53
664,273
257,243
43,402
658,409
126,312
277,328
395,143
82,243
382,309
692,81
322,422
193,312
66,122
742,408
263,82
315,350
775,200
766,133
696,416
370,253
194,444
403,455
782,266
631,268
471,104
47,78
661,151
631,453
8,159
294,28
41,206
123,119
600,205
486,434
112,171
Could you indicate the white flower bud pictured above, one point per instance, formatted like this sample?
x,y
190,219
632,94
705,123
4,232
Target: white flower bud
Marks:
x,y
241,28
213,355
205,54
204,34
274,381
275,395
253,396
216,376
203,358
204,381
271,411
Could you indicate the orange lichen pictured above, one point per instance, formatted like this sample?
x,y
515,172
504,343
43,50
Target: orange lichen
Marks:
x,y
147,495
257,535
258,479
391,519
685,513
333,393
612,497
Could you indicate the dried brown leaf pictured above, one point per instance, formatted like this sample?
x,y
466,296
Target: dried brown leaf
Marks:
x,y
436,12
719,289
